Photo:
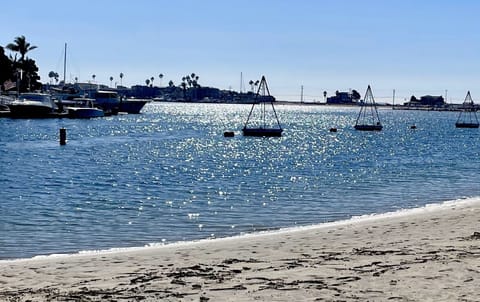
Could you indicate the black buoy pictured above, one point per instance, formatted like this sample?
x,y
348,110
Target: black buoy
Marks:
x,y
63,136
413,127
228,134
333,129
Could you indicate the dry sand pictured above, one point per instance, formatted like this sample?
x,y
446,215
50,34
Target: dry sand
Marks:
x,y
431,254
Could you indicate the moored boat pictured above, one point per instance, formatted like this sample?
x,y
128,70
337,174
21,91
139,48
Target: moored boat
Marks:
x,y
466,125
369,127
132,105
368,119
83,108
468,116
4,109
262,132
32,105
259,127
108,100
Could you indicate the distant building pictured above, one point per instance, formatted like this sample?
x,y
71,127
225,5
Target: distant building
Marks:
x,y
143,91
203,93
344,98
426,100
168,93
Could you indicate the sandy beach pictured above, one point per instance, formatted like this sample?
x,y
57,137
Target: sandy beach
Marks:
x,y
428,254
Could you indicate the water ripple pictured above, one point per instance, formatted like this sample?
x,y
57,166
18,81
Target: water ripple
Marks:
x,y
168,174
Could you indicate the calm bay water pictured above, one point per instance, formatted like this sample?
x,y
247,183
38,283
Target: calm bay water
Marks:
x,y
169,175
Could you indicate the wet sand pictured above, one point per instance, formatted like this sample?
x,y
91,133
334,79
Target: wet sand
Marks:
x,y
432,254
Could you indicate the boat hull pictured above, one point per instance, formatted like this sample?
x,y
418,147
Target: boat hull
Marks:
x,y
466,125
369,127
30,111
262,132
85,112
132,106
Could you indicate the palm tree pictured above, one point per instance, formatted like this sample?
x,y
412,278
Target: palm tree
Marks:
x,y
251,83
51,75
195,81
161,77
21,46
151,81
356,95
184,87
121,77
93,77
189,80
147,81
111,80
325,96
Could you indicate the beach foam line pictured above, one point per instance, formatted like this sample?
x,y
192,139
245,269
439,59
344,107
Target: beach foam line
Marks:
x,y
428,208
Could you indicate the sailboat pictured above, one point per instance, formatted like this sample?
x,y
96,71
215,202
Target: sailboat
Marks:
x,y
256,124
468,116
368,119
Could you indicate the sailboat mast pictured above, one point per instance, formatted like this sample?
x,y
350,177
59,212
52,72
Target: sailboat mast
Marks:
x,y
393,99
65,65
241,82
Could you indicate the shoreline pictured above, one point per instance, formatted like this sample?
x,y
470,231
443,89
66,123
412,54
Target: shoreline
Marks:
x,y
328,224
246,236
454,107
427,253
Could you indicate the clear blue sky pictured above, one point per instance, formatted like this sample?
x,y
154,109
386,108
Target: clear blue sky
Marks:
x,y
414,47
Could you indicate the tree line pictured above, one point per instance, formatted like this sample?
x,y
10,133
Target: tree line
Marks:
x,y
17,70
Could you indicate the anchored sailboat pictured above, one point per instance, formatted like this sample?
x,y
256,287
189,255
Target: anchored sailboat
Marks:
x,y
468,116
257,123
368,119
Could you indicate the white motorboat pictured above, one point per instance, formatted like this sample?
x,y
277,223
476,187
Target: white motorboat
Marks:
x,y
35,105
108,100
82,108
132,105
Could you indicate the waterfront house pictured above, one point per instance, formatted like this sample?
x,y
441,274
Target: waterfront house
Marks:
x,y
344,98
426,101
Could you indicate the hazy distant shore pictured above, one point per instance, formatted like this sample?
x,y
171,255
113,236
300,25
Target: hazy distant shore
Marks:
x,y
431,254
450,107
